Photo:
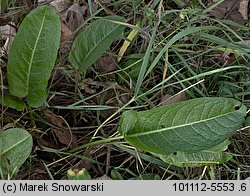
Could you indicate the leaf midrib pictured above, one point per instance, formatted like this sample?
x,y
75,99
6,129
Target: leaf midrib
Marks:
x,y
174,127
98,44
16,144
34,51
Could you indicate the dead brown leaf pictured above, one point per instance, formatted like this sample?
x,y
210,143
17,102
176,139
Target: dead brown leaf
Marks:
x,y
229,9
74,16
44,143
170,99
64,136
243,9
105,64
8,33
60,5
65,32
34,172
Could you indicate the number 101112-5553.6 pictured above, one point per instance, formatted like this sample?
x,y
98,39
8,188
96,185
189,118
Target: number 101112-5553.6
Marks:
x,y
209,186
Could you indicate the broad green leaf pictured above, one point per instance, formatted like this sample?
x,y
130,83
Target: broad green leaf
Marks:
x,y
33,55
189,126
9,101
220,147
212,156
16,148
94,41
183,159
